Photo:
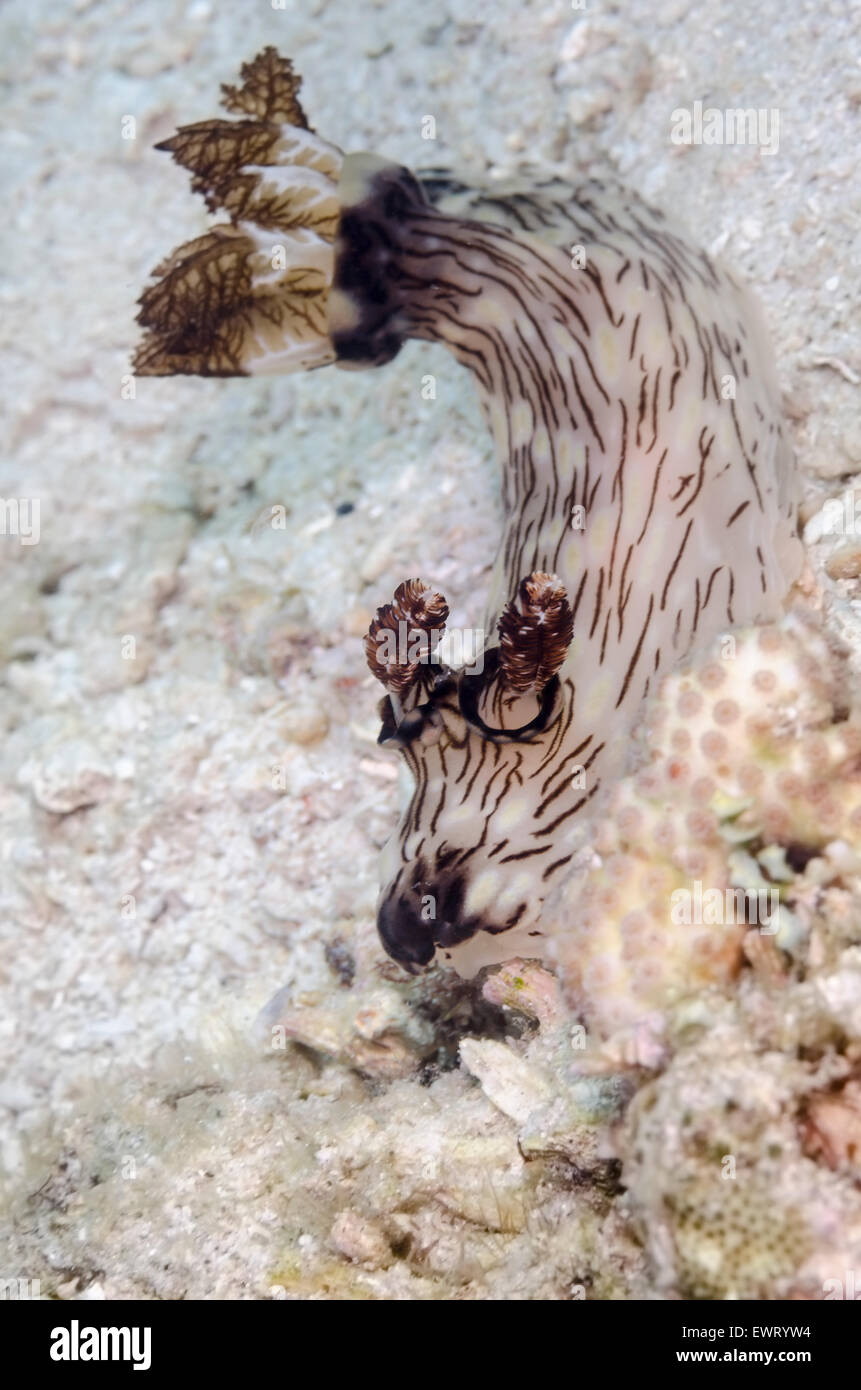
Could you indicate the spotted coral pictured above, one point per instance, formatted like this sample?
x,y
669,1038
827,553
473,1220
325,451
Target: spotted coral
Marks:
x,y
749,768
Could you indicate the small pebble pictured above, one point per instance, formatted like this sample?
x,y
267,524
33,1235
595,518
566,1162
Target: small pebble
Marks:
x,y
845,563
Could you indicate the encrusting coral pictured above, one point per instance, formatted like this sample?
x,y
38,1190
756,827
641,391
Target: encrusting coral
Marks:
x,y
750,770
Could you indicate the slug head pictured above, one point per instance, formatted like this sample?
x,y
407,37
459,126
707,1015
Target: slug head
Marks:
x,y
466,870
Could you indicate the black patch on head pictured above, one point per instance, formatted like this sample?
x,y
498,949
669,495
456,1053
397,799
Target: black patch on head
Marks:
x,y
411,938
449,927
407,937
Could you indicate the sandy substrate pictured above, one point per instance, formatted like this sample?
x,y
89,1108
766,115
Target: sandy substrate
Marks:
x,y
192,800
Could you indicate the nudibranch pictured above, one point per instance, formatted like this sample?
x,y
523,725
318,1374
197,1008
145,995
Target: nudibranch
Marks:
x,y
648,487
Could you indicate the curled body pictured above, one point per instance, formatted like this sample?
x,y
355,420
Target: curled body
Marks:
x,y
648,488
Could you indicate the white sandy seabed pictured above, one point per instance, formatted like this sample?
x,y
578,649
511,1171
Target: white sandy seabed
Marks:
x,y
158,883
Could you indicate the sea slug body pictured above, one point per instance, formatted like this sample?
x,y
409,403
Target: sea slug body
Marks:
x,y
648,488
